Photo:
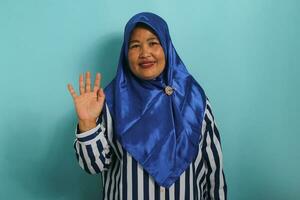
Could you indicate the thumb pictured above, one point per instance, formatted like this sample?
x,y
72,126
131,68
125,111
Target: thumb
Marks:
x,y
100,95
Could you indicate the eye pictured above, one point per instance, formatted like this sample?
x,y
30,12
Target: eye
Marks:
x,y
153,43
133,46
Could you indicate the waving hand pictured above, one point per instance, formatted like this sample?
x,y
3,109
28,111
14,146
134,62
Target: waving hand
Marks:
x,y
89,103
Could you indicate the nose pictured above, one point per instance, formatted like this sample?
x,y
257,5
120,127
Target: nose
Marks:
x,y
144,51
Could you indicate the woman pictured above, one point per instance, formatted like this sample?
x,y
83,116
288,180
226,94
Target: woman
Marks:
x,y
152,132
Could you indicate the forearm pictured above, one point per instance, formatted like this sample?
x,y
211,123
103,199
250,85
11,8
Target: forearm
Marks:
x,y
92,149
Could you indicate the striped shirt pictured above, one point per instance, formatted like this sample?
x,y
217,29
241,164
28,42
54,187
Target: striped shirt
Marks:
x,y
97,150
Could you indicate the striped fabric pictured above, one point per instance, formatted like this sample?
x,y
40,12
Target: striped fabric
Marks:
x,y
97,151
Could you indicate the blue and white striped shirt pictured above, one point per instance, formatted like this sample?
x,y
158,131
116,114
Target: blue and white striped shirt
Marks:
x,y
97,150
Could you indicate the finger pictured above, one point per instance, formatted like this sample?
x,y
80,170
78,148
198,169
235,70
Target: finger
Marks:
x,y
72,91
81,84
97,82
101,95
87,82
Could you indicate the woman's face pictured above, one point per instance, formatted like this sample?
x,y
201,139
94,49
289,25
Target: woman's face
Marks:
x,y
145,54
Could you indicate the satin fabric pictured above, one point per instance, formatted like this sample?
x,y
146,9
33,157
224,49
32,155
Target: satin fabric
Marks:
x,y
161,132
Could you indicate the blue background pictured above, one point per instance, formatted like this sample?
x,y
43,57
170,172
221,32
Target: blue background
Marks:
x,y
245,54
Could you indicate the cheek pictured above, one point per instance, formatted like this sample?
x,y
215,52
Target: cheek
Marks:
x,y
159,52
133,64
162,58
131,60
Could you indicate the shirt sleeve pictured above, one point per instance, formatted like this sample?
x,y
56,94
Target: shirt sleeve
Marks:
x,y
92,148
213,157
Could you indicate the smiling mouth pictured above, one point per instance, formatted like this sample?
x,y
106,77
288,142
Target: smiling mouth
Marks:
x,y
146,65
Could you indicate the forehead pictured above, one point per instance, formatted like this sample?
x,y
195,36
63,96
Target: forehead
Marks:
x,y
142,31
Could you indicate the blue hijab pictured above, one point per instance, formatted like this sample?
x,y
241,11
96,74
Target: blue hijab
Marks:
x,y
160,131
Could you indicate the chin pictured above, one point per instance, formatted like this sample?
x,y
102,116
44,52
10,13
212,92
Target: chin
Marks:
x,y
147,78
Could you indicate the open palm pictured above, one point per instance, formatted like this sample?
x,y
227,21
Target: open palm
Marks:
x,y
89,103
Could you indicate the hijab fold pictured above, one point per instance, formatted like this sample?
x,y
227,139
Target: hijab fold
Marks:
x,y
162,132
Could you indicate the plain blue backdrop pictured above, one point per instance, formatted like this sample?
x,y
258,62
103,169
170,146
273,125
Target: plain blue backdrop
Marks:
x,y
245,54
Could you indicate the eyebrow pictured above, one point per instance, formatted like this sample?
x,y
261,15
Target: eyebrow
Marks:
x,y
134,41
152,38
137,41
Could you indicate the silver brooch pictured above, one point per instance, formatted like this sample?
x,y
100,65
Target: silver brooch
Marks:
x,y
169,90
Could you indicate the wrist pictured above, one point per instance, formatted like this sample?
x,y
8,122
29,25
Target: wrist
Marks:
x,y
85,125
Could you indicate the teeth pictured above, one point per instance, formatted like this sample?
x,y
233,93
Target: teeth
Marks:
x,y
146,63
